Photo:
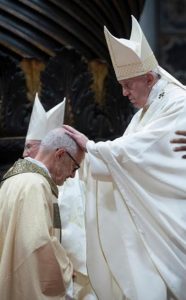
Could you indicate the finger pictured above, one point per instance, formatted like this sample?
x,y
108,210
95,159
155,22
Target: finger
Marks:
x,y
181,148
74,136
178,141
69,128
69,133
181,132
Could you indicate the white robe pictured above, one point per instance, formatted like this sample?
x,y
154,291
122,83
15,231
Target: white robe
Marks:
x,y
26,272
136,205
71,202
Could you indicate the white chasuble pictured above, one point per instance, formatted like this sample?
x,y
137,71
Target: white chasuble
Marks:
x,y
136,205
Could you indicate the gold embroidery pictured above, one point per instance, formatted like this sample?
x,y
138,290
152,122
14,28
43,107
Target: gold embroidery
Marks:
x,y
25,166
56,218
161,95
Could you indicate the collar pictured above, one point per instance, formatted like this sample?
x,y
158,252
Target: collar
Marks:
x,y
27,166
38,163
156,90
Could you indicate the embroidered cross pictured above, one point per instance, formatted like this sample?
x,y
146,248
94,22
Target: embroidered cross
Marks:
x,y
161,95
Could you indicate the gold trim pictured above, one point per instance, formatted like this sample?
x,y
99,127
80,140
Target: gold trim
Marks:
x,y
25,166
132,70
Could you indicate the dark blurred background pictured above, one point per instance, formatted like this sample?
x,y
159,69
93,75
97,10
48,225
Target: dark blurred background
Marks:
x,y
57,48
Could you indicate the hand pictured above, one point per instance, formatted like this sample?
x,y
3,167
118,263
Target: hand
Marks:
x,y
79,137
180,140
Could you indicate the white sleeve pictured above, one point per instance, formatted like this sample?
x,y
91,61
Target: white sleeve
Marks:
x,y
98,167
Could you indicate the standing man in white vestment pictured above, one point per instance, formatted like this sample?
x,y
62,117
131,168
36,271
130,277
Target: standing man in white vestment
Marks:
x,y
136,189
71,199
33,264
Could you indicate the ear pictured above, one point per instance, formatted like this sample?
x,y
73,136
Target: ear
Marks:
x,y
59,152
150,79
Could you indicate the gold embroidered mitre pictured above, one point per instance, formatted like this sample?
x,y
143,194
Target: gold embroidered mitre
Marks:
x,y
133,57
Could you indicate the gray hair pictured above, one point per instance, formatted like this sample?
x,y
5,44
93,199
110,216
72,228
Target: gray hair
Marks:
x,y
58,138
156,73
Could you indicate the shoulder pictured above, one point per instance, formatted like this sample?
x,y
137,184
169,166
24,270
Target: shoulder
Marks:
x,y
27,182
175,90
174,98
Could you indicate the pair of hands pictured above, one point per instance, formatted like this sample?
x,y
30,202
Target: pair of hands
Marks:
x,y
180,140
79,137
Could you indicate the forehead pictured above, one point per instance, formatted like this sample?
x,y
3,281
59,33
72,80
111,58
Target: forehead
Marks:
x,y
132,80
31,143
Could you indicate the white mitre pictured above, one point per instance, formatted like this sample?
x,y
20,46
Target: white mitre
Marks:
x,y
41,122
134,57
130,58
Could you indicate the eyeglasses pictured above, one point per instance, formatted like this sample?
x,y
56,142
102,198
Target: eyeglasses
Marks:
x,y
77,165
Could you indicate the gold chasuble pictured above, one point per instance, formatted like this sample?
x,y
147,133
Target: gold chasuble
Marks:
x,y
33,264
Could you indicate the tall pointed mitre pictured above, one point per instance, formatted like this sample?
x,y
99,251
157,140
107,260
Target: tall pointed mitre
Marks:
x,y
134,57
41,122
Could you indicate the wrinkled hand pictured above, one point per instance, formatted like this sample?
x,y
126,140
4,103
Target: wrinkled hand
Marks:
x,y
79,137
181,140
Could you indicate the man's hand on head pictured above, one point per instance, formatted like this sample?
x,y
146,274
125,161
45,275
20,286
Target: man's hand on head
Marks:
x,y
79,137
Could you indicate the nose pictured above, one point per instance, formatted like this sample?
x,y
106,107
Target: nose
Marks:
x,y
125,91
25,153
